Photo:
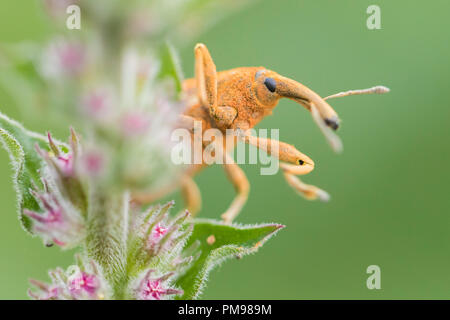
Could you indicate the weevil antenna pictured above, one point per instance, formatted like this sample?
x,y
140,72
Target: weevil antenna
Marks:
x,y
376,89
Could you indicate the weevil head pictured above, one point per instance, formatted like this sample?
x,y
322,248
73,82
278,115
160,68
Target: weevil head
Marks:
x,y
269,87
264,88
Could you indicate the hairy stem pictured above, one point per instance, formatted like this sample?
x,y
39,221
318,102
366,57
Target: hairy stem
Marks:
x,y
107,233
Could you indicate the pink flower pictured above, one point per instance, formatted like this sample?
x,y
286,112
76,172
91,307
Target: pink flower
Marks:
x,y
93,162
58,242
49,294
82,282
55,225
71,57
159,231
45,292
65,162
53,212
97,103
135,124
74,283
162,234
50,217
63,58
153,289
52,293
153,241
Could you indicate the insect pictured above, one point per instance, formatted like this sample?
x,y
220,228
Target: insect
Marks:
x,y
239,99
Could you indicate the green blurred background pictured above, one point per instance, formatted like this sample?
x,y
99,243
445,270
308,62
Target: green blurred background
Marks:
x,y
390,202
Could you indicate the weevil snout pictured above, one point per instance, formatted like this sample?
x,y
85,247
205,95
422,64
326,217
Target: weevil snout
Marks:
x,y
271,87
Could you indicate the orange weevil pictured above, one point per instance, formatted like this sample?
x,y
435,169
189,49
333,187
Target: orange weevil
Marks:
x,y
238,99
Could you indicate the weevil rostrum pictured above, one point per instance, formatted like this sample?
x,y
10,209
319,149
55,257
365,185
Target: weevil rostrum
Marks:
x,y
239,99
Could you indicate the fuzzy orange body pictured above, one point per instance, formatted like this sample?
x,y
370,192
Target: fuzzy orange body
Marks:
x,y
235,90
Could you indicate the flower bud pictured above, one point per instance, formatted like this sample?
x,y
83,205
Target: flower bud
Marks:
x,y
59,223
61,168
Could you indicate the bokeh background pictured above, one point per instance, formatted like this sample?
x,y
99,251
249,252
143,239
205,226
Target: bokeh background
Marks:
x,y
390,188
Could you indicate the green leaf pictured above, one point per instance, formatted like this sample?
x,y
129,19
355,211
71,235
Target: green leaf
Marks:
x,y
20,144
170,66
230,241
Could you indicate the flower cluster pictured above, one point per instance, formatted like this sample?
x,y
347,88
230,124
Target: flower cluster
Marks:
x,y
155,241
62,198
58,224
83,281
158,246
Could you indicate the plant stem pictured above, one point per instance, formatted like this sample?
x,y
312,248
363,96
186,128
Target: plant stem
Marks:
x,y
107,233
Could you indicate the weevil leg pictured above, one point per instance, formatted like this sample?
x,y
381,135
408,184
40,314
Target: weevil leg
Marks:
x,y
225,116
145,197
293,163
308,191
237,177
189,191
191,195
206,78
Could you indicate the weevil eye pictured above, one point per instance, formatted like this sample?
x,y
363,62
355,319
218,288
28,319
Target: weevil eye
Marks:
x,y
301,162
270,84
